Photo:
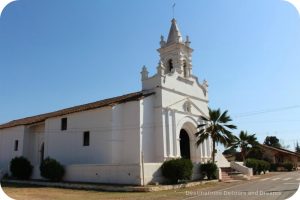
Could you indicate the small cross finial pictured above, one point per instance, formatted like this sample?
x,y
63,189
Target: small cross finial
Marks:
x,y
173,8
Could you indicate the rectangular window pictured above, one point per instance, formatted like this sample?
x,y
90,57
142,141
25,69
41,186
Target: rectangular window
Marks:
x,y
16,145
64,124
86,138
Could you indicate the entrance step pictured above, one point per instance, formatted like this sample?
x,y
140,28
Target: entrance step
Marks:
x,y
229,175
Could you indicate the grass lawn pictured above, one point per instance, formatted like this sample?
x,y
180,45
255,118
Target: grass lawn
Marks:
x,y
26,192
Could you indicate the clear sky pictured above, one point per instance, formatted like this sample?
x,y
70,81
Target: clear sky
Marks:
x,y
56,54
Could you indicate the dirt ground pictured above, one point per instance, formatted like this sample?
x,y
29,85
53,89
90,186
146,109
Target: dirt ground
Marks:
x,y
27,192
23,192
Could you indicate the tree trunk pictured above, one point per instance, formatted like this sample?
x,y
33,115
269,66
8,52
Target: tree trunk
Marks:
x,y
243,155
213,151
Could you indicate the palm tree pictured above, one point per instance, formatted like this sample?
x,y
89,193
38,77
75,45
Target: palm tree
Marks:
x,y
217,128
245,142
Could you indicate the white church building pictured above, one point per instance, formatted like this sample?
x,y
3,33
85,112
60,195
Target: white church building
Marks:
x,y
123,139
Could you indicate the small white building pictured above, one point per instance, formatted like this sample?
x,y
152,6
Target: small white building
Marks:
x,y
123,139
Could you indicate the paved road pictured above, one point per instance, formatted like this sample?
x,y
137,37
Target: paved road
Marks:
x,y
278,187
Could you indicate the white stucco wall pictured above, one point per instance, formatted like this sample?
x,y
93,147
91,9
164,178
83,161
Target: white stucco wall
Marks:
x,y
131,133
121,174
67,146
33,140
172,94
148,129
152,173
115,142
220,159
7,143
114,136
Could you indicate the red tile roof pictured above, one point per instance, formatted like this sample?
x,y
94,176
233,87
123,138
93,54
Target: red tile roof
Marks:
x,y
98,104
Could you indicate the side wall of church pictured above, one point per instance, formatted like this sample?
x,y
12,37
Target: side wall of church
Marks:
x,y
147,117
126,133
114,152
8,137
67,145
114,148
33,142
114,136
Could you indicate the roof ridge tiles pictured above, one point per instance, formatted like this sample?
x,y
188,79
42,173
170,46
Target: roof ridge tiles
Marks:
x,y
79,108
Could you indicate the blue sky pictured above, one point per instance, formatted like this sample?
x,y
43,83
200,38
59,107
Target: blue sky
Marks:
x,y
56,54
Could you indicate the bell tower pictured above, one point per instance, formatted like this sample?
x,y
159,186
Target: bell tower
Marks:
x,y
176,54
179,100
174,69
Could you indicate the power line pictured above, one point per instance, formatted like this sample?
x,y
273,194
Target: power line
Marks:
x,y
259,112
269,121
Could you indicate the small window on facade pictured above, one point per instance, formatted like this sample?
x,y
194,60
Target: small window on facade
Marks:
x,y
86,138
170,65
16,145
64,124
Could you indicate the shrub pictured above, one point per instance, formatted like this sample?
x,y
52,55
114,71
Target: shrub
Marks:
x,y
273,167
177,169
263,166
52,169
20,168
209,169
252,163
258,166
288,166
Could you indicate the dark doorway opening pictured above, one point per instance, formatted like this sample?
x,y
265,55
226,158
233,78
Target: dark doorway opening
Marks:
x,y
184,144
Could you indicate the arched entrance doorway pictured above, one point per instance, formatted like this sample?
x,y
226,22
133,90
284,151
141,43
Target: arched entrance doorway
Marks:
x,y
184,144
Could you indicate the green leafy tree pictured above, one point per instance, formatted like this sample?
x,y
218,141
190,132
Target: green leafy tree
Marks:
x,y
297,149
272,141
217,128
245,143
257,153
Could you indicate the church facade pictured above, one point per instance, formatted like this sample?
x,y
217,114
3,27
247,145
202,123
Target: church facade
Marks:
x,y
123,139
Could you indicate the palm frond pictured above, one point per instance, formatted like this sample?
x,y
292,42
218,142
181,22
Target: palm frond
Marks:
x,y
230,126
202,137
224,118
201,132
216,127
204,118
201,126
214,115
